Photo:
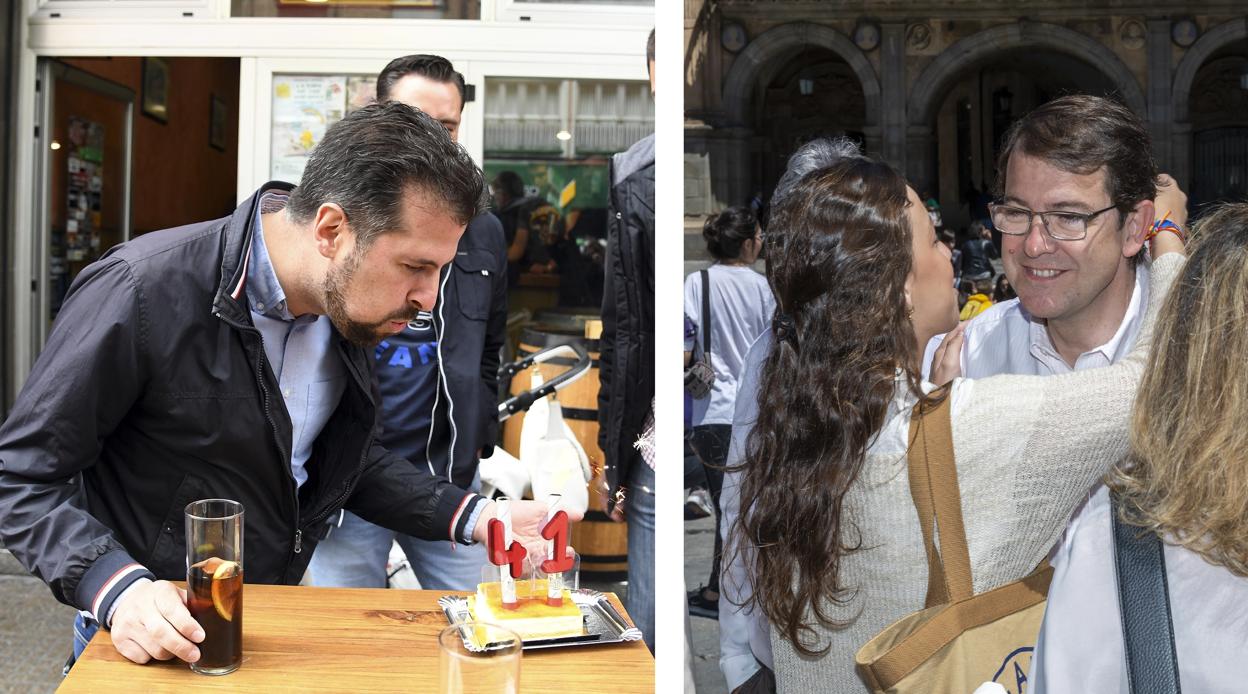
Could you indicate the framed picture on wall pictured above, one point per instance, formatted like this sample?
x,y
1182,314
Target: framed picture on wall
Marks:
x,y
216,123
156,89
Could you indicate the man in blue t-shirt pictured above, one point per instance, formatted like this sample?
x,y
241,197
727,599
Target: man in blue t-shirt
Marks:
x,y
438,377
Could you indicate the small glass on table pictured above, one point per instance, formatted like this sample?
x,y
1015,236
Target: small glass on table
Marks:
x,y
214,582
491,666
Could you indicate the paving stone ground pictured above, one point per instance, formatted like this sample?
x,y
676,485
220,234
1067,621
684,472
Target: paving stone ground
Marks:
x,y
699,546
35,632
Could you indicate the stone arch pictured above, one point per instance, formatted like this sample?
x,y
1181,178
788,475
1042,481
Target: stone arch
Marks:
x,y
771,49
1197,54
933,82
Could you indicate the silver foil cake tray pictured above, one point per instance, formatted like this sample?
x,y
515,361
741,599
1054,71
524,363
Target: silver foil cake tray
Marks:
x,y
603,623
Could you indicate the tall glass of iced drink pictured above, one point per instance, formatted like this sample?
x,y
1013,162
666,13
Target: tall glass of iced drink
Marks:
x,y
214,582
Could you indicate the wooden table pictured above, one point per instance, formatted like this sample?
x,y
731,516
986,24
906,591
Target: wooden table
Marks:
x,y
299,639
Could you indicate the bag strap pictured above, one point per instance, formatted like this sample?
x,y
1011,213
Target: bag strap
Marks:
x,y
934,489
706,314
1144,599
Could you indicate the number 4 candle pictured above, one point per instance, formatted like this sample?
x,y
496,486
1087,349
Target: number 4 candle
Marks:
x,y
505,553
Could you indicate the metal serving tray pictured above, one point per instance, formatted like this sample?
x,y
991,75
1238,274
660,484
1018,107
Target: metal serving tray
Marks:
x,y
603,623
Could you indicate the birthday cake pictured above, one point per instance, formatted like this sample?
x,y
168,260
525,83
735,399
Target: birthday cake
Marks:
x,y
532,617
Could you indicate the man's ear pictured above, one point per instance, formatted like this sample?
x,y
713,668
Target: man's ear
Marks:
x,y
330,230
1139,223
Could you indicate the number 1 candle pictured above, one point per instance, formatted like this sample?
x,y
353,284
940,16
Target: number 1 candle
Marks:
x,y
555,530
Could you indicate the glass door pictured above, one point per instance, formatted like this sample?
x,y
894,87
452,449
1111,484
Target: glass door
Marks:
x,y
83,205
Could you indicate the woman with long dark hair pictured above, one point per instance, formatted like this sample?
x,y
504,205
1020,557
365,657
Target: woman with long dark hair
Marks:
x,y
834,551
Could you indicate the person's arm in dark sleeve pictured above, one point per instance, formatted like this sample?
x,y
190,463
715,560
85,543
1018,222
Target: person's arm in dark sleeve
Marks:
x,y
398,495
606,341
495,337
90,373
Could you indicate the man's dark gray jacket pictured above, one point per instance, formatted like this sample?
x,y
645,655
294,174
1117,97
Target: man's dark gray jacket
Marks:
x,y
154,391
626,371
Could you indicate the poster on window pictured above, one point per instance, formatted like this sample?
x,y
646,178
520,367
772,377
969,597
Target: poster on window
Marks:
x,y
77,241
304,106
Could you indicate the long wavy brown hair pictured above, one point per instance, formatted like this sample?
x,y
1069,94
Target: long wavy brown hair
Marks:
x,y
840,276
1185,476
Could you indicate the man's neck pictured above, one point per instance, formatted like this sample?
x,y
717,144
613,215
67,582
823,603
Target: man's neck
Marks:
x,y
1095,324
279,233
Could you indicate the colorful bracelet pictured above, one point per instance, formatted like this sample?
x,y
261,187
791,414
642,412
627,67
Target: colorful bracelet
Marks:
x,y
1166,225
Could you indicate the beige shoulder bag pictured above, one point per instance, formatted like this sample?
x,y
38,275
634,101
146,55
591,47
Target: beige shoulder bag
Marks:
x,y
960,640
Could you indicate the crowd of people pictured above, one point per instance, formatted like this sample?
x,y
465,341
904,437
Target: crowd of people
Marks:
x,y
1083,396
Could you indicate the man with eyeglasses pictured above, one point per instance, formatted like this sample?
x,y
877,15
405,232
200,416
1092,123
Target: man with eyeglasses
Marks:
x,y
1076,188
1078,197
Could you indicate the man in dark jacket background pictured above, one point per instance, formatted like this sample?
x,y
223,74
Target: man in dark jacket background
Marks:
x,y
626,393
230,359
438,376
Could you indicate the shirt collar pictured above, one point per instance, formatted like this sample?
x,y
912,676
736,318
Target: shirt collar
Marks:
x,y
1042,345
264,292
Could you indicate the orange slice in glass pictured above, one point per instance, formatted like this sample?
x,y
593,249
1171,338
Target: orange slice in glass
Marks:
x,y
225,590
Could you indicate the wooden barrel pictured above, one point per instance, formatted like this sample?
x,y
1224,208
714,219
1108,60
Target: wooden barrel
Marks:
x,y
601,542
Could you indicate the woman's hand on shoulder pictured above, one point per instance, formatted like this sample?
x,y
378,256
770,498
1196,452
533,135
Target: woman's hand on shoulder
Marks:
x,y
947,361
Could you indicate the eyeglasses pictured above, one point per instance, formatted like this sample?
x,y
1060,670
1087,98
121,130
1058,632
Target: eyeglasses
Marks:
x,y
1062,226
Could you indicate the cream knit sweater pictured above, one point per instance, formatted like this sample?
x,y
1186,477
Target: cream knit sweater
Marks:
x,y
1028,449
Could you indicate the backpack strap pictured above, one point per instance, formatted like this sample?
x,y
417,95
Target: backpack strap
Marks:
x,y
1144,599
706,314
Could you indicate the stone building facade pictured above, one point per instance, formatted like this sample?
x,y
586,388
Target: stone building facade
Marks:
x,y
930,86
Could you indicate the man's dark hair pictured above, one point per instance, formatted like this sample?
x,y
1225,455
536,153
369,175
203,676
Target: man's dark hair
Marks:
x,y
434,68
367,161
650,49
510,183
1080,134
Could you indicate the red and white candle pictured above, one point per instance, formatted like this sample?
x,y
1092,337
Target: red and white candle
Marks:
x,y
554,580
507,584
555,530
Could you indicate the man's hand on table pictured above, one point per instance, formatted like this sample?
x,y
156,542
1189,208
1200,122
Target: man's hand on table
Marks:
x,y
152,621
527,518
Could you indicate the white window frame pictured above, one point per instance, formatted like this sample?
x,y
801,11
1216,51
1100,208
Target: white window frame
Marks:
x,y
611,50
133,9
569,13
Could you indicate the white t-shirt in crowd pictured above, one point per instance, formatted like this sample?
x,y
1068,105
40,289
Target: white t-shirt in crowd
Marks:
x,y
741,309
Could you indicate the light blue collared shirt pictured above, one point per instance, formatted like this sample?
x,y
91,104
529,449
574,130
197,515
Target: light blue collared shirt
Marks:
x,y
310,375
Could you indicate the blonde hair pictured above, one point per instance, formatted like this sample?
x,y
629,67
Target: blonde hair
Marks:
x,y
1186,475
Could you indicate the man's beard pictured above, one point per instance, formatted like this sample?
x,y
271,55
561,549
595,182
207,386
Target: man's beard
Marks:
x,y
335,287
